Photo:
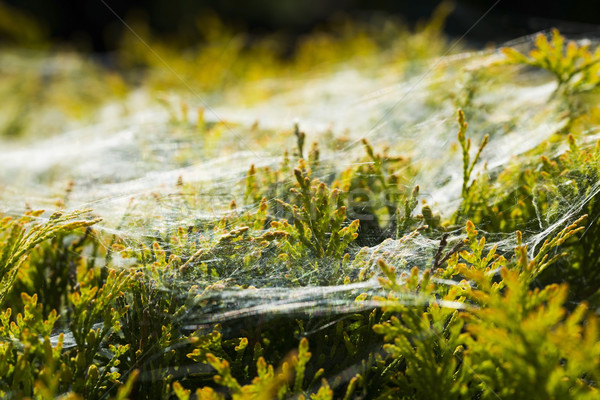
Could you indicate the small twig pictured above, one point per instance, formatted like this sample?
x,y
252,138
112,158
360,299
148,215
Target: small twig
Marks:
x,y
437,262
441,247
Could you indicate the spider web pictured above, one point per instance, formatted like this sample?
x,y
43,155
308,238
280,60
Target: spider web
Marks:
x,y
128,164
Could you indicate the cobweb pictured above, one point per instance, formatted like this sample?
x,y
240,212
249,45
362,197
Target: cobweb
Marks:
x,y
129,163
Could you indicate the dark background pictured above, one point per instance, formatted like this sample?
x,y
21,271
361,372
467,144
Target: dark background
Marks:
x,y
91,26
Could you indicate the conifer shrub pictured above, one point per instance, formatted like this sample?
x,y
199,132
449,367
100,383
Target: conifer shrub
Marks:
x,y
327,280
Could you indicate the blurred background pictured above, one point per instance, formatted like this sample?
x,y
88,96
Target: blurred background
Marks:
x,y
65,63
90,25
123,98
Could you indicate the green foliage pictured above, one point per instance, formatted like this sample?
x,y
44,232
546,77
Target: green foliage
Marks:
x,y
28,360
151,325
317,221
268,384
376,194
406,221
33,366
20,236
93,305
459,305
468,164
516,337
426,339
574,66
574,174
499,339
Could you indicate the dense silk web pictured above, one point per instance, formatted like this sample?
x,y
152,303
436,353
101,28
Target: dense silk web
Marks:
x,y
149,168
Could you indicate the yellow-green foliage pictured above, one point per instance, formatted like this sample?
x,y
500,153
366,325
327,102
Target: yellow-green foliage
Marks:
x,y
228,59
575,67
501,301
503,339
33,365
317,218
20,236
468,164
268,383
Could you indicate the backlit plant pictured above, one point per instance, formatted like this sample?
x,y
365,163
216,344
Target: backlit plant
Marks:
x,y
313,278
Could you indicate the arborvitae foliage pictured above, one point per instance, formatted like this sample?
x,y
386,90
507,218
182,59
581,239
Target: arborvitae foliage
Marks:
x,y
574,66
88,314
20,237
